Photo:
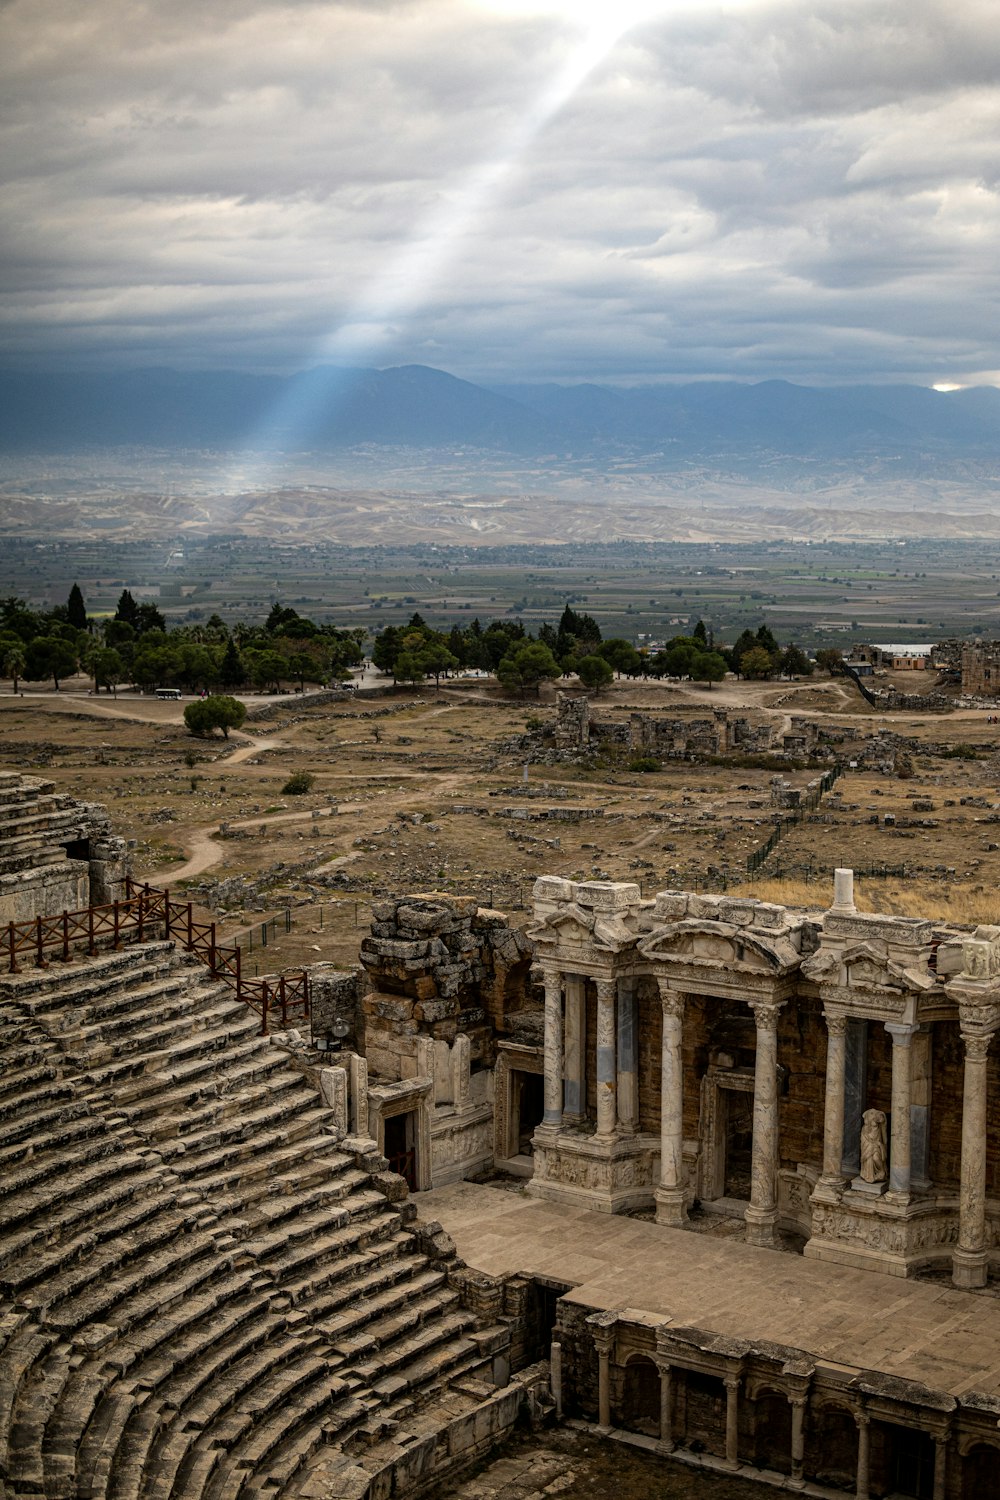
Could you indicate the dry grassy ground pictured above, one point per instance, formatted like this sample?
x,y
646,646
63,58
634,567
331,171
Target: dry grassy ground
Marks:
x,y
398,782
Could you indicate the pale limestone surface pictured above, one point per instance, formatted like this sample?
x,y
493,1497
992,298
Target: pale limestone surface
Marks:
x,y
919,1331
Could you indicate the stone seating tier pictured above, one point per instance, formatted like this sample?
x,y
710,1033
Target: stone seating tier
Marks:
x,y
201,1291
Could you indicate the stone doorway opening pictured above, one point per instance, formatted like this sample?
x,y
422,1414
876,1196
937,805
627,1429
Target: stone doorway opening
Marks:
x,y
902,1462
401,1146
528,1108
738,1144
727,1139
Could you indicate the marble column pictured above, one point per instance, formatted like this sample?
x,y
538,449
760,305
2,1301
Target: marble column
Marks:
x,y
864,1450
833,1117
603,1325
732,1384
552,1114
628,1083
969,1264
670,1205
902,1089
575,1102
763,1209
607,1067
855,1094
798,1405
666,1407
556,1377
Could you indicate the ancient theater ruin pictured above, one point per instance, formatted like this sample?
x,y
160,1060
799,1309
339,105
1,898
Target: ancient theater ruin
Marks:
x,y
723,1177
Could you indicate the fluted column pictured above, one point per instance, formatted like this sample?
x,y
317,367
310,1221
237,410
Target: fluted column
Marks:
x,y
603,1326
763,1209
902,1090
575,1049
628,1082
552,1115
940,1465
607,1067
969,1266
670,1206
833,1115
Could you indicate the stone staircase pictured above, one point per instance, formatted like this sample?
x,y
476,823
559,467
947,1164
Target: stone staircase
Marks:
x,y
203,1293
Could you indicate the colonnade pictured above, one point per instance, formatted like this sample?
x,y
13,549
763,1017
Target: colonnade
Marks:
x,y
604,1333
617,1085
969,1259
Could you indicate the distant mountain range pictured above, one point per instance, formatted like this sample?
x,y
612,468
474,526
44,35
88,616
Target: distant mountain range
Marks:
x,y
718,423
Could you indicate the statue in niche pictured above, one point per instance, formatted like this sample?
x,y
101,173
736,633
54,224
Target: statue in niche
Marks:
x,y
874,1162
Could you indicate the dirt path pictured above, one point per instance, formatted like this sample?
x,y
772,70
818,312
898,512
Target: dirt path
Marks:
x,y
204,851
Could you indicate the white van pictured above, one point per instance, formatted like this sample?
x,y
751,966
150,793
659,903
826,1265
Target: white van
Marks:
x,y
172,693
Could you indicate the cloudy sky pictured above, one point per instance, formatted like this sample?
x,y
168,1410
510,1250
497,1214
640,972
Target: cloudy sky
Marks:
x,y
805,189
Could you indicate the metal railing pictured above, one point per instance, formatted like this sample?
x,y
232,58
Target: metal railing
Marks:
x,y
145,911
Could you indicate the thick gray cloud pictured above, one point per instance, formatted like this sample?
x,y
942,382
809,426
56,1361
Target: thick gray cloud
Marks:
x,y
805,188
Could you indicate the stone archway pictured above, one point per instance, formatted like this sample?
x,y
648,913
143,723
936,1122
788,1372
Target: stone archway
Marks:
x,y
981,1471
640,1400
772,1433
831,1447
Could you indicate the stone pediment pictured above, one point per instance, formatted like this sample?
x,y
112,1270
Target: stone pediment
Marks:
x,y
720,945
866,966
575,926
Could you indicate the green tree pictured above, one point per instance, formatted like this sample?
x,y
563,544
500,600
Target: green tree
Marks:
x,y
76,610
700,634
436,658
218,711
108,669
47,656
594,672
128,610
303,668
409,667
829,659
14,659
708,666
621,655
232,672
527,665
793,662
757,664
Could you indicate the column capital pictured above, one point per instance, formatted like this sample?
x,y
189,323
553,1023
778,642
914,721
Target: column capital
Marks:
x,y
672,1002
766,1013
976,1045
836,1022
607,989
902,1032
861,1419
552,974
732,1382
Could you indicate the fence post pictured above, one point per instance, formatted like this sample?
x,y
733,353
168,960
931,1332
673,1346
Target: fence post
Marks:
x,y
65,937
190,924
284,1009
211,949
12,945
239,972
117,922
40,945
166,911
264,991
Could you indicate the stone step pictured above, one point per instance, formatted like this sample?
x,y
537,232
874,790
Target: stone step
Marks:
x,y
279,1123
278,1410
393,1254
24,1354
14,1082
99,1279
138,1008
379,1292
67,1213
152,1107
394,1354
39,990
234,1333
41,1164
50,1091
43,1123
34,1267
196,1025
62,1137
306,1156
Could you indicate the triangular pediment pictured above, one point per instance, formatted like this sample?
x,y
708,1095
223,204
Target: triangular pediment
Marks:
x,y
720,945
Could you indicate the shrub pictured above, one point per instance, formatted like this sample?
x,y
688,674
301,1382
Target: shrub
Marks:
x,y
644,763
298,784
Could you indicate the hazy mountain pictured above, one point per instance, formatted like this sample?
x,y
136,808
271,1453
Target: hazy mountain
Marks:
x,y
741,426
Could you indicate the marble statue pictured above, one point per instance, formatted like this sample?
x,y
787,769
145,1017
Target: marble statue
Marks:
x,y
874,1163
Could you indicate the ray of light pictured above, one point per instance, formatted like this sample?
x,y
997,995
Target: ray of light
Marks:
x,y
422,261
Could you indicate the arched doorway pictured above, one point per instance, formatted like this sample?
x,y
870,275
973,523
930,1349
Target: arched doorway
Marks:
x,y
831,1448
641,1396
772,1434
981,1472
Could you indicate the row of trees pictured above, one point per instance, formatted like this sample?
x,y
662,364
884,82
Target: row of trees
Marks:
x,y
134,646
